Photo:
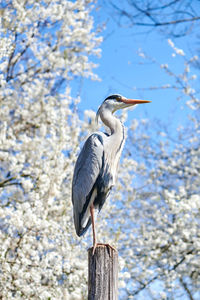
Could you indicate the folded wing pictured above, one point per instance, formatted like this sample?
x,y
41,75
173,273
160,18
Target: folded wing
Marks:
x,y
86,172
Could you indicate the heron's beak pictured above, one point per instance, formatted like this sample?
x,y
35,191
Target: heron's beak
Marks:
x,y
134,101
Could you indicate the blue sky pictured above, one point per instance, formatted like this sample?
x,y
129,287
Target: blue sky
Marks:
x,y
121,71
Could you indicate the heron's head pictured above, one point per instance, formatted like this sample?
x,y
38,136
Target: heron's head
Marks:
x,y
115,102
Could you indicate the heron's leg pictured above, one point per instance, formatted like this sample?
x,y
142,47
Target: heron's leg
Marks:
x,y
93,228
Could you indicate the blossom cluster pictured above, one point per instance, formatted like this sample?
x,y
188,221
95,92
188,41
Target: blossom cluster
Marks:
x,y
158,188
50,43
152,215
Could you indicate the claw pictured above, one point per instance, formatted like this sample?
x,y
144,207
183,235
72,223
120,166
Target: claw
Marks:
x,y
102,244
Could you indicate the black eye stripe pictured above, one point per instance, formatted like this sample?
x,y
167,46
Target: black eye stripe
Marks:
x,y
117,97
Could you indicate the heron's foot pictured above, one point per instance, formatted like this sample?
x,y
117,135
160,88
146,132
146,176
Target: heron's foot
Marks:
x,y
108,246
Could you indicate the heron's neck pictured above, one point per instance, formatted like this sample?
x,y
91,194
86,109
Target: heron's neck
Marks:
x,y
112,122
114,143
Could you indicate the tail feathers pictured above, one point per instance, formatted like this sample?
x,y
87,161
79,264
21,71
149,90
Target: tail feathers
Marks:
x,y
82,221
80,230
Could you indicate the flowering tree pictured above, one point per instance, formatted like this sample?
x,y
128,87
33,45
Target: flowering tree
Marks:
x,y
159,224
153,213
44,45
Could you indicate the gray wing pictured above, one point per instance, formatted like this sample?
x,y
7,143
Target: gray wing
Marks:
x,y
86,172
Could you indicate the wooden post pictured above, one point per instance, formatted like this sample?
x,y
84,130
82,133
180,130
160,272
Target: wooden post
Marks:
x,y
102,273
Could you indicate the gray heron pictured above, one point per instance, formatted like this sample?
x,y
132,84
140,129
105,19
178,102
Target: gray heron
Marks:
x,y
97,164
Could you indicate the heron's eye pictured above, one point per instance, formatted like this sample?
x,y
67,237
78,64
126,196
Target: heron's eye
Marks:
x,y
118,98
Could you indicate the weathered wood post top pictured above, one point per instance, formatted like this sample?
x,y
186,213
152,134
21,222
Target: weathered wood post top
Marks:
x,y
103,273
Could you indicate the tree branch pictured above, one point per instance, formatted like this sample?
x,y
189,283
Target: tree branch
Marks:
x,y
148,14
186,289
173,22
7,182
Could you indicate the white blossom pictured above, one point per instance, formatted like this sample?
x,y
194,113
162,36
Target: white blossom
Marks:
x,y
152,215
39,137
